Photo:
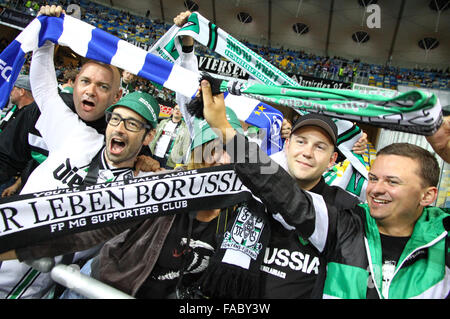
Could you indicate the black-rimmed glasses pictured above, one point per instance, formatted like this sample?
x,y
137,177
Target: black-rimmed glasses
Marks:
x,y
131,124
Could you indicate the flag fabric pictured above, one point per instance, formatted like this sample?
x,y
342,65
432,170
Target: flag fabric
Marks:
x,y
261,115
92,43
418,113
413,111
247,109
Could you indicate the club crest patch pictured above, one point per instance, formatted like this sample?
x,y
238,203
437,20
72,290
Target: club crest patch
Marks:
x,y
245,234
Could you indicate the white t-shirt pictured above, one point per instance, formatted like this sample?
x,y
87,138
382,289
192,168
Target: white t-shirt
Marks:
x,y
169,132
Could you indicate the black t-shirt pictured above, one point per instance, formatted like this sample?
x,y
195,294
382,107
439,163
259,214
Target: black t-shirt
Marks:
x,y
176,255
290,266
293,268
392,248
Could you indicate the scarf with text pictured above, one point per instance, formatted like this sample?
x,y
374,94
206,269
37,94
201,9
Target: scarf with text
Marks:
x,y
413,111
249,110
30,218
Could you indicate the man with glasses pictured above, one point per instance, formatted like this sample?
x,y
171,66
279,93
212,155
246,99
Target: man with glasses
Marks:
x,y
131,124
138,113
74,147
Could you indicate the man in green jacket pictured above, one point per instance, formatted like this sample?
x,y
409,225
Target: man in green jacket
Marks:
x,y
172,140
395,246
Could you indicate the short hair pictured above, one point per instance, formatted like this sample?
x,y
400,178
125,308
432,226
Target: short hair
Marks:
x,y
70,75
114,70
428,165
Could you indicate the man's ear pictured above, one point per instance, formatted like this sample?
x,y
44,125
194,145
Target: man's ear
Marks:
x,y
117,96
286,144
22,91
333,159
149,137
429,196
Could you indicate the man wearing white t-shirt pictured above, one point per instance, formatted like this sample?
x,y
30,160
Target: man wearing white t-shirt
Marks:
x,y
171,140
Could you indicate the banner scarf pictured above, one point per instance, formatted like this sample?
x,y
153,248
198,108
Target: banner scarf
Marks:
x,y
203,31
414,111
30,218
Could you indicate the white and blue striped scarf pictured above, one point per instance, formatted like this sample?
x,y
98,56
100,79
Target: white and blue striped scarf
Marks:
x,y
93,43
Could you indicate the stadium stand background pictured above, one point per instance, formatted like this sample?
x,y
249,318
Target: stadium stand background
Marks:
x,y
144,31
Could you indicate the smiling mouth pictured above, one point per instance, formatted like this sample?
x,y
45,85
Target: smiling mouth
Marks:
x,y
304,164
380,201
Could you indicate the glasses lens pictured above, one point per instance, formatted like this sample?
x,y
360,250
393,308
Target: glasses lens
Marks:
x,y
115,119
130,124
133,125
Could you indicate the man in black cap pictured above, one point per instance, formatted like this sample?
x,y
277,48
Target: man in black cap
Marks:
x,y
311,149
395,246
292,267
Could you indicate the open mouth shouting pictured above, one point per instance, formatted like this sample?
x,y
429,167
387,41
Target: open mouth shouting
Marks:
x,y
116,145
87,105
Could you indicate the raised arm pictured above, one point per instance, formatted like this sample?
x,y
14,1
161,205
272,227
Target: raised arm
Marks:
x,y
296,209
43,80
440,141
188,61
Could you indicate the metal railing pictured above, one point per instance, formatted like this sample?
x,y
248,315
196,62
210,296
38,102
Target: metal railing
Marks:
x,y
70,277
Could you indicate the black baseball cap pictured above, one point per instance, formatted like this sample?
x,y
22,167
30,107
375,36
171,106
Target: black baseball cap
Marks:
x,y
322,121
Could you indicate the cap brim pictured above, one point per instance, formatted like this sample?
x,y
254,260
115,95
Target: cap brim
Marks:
x,y
317,123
